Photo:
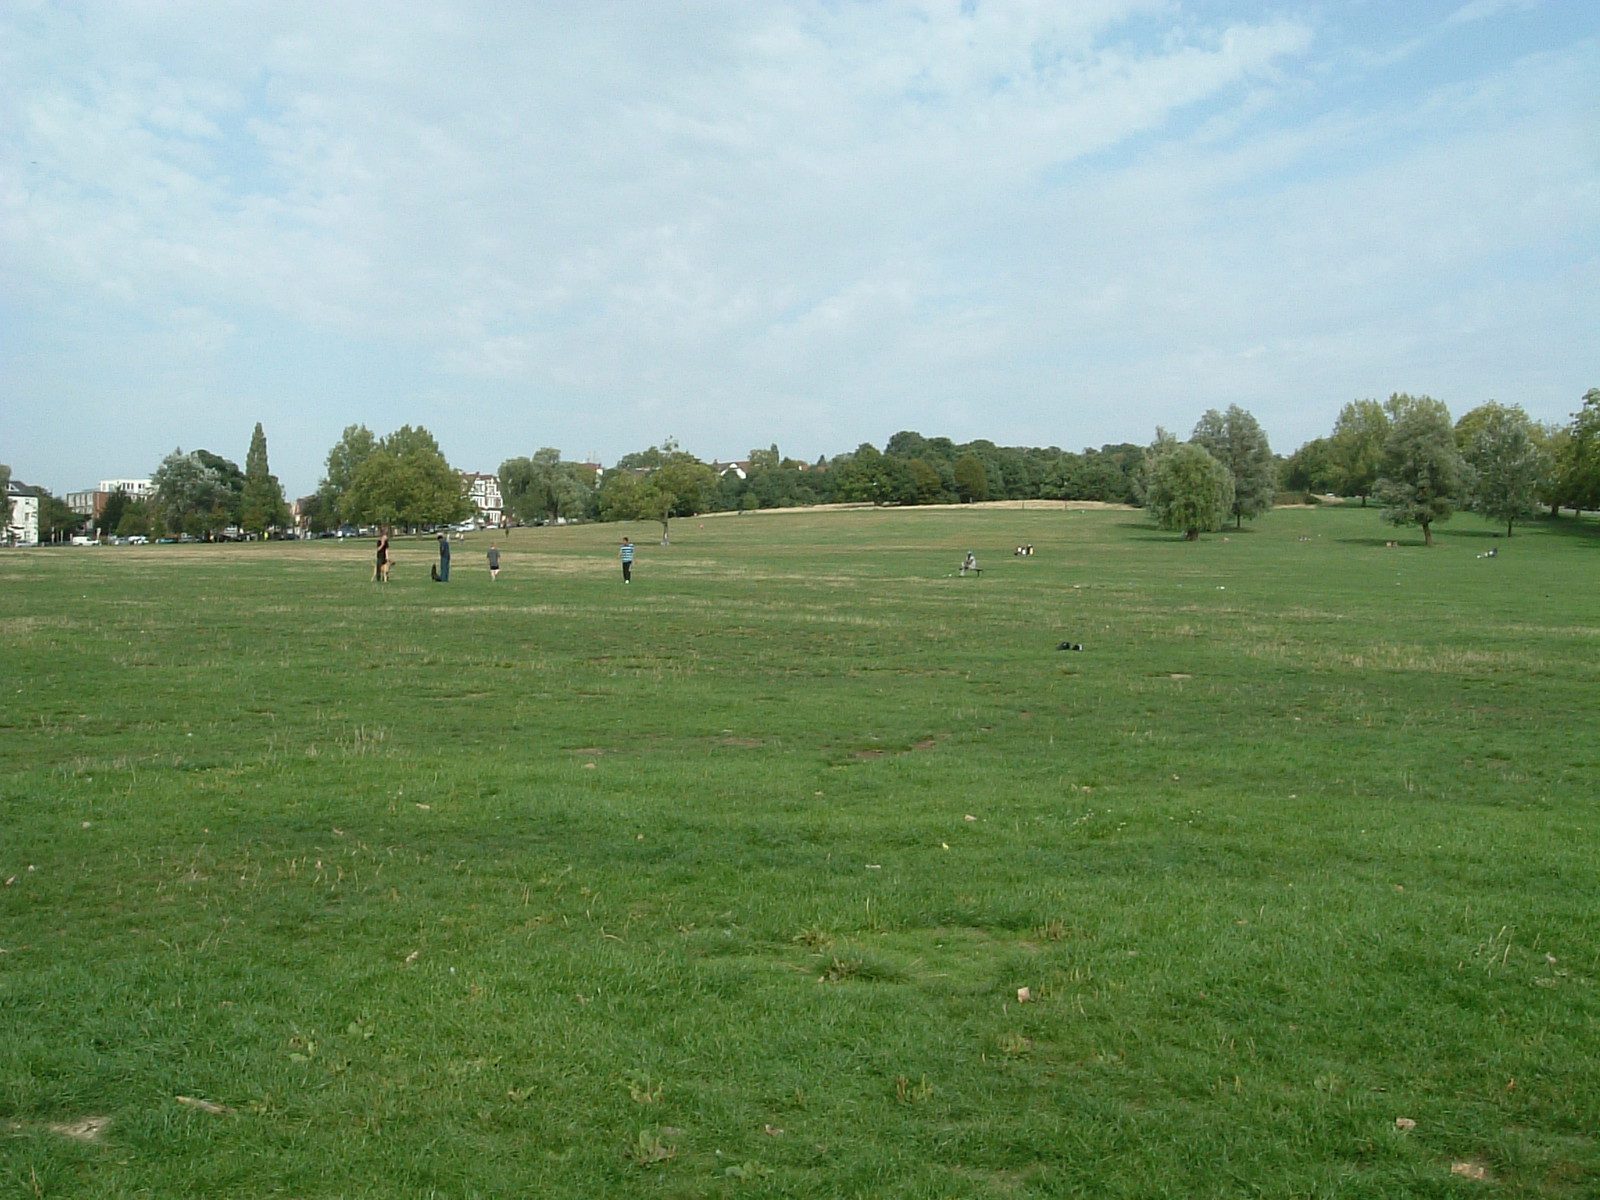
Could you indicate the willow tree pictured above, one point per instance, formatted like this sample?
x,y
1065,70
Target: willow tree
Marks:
x,y
1237,441
1189,490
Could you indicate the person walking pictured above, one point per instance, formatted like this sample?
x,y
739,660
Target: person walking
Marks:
x,y
626,554
444,557
494,561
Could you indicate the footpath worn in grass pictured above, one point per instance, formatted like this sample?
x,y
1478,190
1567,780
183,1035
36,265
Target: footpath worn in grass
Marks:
x,y
725,882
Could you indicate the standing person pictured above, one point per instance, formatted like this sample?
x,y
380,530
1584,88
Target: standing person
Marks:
x,y
444,557
380,571
494,561
626,554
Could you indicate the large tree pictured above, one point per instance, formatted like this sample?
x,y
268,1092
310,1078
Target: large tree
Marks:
x,y
261,503
1421,476
353,448
1581,465
867,475
111,515
1188,489
191,494
670,483
1508,464
405,482
545,488
1310,468
57,521
1237,441
971,479
1356,448
134,521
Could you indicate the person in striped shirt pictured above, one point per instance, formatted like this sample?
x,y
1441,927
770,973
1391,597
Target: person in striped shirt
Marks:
x,y
626,554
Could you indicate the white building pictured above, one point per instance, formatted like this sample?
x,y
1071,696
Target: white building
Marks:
x,y
137,489
22,519
484,492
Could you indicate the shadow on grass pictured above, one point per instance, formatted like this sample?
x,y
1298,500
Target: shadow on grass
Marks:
x,y
1148,533
1583,528
1580,529
1143,531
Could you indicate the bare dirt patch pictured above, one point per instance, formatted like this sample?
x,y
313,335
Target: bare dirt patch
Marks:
x,y
89,1129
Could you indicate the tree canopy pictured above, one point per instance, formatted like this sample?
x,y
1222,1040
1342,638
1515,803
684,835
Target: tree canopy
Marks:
x,y
404,482
261,503
1189,490
1421,474
669,482
192,495
353,448
544,488
1507,463
1580,466
1356,448
1237,441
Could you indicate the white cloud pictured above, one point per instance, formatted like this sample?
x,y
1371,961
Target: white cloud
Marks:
x,y
576,223
1482,10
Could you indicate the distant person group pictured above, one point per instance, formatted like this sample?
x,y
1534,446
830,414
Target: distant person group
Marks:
x,y
439,572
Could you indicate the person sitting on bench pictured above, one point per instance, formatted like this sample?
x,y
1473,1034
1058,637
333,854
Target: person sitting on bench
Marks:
x,y
970,563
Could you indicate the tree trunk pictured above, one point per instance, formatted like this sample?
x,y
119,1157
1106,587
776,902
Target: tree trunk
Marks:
x,y
664,541
1427,534
1509,524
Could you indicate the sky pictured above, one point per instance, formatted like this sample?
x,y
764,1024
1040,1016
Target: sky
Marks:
x,y
597,224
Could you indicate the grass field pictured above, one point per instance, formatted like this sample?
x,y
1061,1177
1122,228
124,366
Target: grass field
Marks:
x,y
725,883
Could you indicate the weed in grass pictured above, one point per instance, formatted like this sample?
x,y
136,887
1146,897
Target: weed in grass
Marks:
x,y
650,1150
907,1092
642,1089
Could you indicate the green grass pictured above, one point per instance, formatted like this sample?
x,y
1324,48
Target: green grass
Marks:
x,y
724,883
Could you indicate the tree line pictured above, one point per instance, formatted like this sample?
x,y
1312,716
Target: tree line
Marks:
x,y
200,494
1407,455
1404,454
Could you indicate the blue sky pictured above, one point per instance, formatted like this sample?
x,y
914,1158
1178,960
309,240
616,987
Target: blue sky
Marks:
x,y
594,225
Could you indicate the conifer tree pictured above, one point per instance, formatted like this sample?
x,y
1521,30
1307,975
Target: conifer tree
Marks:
x,y
261,504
